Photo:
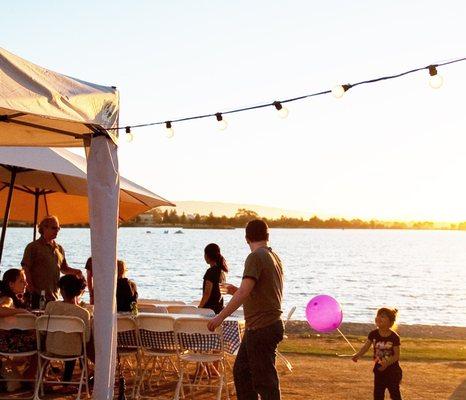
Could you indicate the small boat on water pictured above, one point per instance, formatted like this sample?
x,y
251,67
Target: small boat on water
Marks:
x,y
179,231
165,231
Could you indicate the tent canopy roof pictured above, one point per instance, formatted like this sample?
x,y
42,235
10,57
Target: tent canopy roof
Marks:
x,y
39,107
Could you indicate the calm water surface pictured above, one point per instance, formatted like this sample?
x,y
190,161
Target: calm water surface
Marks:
x,y
422,273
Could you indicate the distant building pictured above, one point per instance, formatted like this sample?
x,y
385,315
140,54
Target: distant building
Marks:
x,y
146,218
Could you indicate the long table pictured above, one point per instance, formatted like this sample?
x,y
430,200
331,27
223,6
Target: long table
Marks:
x,y
233,329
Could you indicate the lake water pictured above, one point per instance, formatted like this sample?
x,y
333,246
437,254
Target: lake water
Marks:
x,y
422,273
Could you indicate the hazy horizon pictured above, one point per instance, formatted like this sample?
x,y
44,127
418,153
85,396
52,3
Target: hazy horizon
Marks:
x,y
220,208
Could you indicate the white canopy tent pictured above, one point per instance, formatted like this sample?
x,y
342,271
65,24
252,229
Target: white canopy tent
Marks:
x,y
42,108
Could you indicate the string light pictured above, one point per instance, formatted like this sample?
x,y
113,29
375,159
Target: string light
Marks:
x,y
222,124
169,131
339,90
282,111
435,80
129,136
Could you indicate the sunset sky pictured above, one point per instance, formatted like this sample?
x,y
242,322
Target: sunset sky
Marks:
x,y
392,150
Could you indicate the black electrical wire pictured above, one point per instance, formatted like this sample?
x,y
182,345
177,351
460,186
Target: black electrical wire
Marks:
x,y
237,110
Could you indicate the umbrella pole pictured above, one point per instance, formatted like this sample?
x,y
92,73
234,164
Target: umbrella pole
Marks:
x,y
6,216
36,211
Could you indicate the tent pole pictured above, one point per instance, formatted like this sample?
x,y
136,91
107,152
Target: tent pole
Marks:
x,y
36,210
6,216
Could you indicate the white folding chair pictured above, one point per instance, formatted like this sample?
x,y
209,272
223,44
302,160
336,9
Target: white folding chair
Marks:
x,y
128,346
178,309
152,308
151,301
48,324
23,326
198,345
158,347
280,356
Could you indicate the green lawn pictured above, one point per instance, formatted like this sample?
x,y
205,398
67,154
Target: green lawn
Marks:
x,y
411,349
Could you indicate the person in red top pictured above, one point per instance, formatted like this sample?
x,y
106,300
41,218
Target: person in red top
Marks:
x,y
386,343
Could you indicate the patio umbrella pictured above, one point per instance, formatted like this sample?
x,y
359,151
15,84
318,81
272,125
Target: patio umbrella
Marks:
x,y
38,181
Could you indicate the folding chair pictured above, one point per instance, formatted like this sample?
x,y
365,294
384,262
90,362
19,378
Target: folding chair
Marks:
x,y
158,347
280,356
128,345
151,301
152,308
198,345
175,309
47,324
18,327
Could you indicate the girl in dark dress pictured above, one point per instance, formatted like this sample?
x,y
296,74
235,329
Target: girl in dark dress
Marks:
x,y
214,276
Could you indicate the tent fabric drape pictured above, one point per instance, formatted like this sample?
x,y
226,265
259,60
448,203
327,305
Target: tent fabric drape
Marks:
x,y
103,189
42,108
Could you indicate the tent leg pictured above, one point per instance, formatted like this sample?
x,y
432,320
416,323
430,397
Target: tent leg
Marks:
x,y
6,216
36,211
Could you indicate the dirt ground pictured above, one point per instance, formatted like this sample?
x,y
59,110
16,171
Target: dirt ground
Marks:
x,y
320,378
341,379
327,377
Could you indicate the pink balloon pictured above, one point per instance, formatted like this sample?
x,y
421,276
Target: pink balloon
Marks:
x,y
324,313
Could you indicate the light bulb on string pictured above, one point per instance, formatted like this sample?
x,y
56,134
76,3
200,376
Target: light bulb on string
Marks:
x,y
169,131
222,124
282,111
339,90
435,80
129,136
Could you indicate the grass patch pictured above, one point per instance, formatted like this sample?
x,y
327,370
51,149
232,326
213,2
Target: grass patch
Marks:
x,y
411,349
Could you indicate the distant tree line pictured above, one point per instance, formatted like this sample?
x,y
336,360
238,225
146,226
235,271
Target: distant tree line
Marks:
x,y
242,216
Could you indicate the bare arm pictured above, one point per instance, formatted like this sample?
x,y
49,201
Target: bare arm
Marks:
x,y
8,312
207,291
67,270
30,286
362,350
247,284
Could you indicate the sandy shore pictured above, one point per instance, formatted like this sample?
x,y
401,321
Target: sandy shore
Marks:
x,y
359,329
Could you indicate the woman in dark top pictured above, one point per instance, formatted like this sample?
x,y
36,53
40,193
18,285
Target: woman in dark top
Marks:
x,y
214,276
126,291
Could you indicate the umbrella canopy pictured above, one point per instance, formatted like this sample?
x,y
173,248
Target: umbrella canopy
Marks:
x,y
58,178
39,107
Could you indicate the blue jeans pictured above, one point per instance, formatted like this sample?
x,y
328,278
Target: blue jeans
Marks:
x,y
254,370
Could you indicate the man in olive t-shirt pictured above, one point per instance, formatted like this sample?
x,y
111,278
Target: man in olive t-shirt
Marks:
x,y
43,260
261,295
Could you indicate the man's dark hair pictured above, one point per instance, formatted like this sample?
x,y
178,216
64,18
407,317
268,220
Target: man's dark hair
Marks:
x,y
71,286
257,231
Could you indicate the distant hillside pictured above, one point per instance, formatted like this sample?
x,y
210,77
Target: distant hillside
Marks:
x,y
229,209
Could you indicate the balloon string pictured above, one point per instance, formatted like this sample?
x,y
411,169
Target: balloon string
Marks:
x,y
347,341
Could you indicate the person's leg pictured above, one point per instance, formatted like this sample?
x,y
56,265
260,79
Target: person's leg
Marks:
x,y
69,368
393,384
262,347
379,387
242,373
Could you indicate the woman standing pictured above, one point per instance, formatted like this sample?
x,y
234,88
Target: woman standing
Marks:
x,y
214,276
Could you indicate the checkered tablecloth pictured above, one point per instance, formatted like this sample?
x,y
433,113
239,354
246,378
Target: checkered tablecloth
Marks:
x,y
232,333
